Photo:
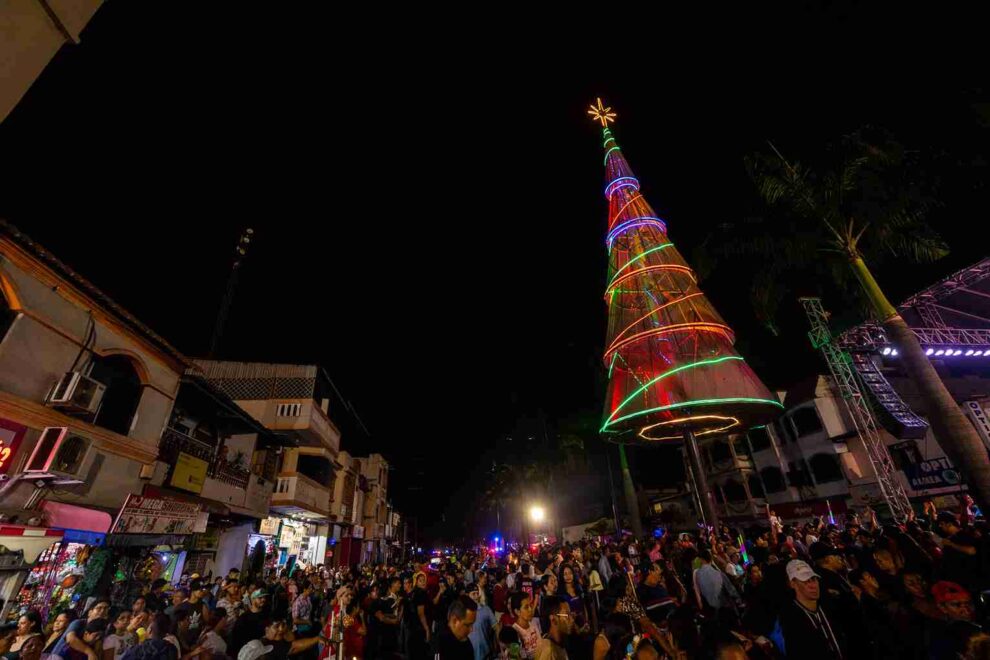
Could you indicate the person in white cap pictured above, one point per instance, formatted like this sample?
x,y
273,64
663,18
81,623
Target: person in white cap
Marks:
x,y
807,628
254,650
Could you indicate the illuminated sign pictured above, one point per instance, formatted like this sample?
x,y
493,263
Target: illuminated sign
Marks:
x,y
11,434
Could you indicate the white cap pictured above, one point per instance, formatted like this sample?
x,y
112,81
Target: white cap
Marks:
x,y
253,650
796,570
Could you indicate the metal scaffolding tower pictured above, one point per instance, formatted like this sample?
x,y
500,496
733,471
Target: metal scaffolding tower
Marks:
x,y
840,364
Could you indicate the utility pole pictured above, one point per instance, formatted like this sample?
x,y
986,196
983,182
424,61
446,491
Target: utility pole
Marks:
x,y
240,251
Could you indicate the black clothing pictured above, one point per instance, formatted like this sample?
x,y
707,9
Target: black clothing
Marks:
x,y
250,625
882,634
811,635
280,649
382,638
838,598
280,603
949,642
447,647
959,567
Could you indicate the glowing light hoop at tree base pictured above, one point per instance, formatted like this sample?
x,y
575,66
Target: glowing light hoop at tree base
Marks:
x,y
682,422
664,358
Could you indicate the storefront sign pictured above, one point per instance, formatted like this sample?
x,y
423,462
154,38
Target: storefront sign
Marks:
x,y
288,536
790,510
189,473
11,434
152,515
980,420
936,473
357,532
269,526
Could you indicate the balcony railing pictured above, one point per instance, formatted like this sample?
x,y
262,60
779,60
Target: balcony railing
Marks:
x,y
230,474
174,441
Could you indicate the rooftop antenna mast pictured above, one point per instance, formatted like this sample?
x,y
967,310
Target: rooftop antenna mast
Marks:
x,y
240,252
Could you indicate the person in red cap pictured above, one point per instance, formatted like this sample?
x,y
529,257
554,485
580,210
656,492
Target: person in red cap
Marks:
x,y
957,606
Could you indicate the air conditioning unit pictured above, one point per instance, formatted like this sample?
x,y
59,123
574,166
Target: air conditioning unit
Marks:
x,y
78,392
57,452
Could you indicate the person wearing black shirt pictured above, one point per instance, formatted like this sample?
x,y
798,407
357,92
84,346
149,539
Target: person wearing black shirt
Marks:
x,y
451,642
837,594
250,625
809,632
960,560
383,622
155,598
282,648
280,598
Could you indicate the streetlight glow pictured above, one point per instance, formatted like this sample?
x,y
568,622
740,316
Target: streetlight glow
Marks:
x,y
536,513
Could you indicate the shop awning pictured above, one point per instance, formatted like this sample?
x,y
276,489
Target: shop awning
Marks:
x,y
32,541
70,516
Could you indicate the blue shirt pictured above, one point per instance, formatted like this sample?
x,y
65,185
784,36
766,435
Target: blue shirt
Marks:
x,y
713,583
483,633
62,647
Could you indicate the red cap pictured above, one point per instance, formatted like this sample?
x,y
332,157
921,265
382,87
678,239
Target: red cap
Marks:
x,y
947,592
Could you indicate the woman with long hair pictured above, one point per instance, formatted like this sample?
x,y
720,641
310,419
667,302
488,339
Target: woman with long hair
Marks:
x,y
569,588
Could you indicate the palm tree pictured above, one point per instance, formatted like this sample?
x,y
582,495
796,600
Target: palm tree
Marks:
x,y
829,222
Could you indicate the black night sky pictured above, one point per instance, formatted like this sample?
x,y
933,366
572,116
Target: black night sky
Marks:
x,y
429,214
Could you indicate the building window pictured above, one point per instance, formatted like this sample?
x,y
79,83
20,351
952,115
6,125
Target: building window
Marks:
x,y
288,410
806,421
759,439
773,479
120,401
798,474
755,486
826,468
317,468
734,491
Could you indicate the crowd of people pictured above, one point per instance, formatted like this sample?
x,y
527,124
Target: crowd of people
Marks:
x,y
853,590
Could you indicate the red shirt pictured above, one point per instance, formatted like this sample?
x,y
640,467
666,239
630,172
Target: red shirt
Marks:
x,y
500,595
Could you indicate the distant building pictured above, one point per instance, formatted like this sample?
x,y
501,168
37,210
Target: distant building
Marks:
x,y
293,401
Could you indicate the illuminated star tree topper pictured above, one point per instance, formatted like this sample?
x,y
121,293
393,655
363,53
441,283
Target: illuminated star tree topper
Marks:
x,y
601,114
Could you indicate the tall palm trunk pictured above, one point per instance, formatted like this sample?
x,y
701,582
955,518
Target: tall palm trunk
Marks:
x,y
632,503
954,432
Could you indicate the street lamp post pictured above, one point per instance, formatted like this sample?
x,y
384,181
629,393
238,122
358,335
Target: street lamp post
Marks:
x,y
537,514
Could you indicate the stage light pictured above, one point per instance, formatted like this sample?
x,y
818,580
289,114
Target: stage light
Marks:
x,y
894,353
939,352
957,352
977,353
886,350
536,513
969,352
929,351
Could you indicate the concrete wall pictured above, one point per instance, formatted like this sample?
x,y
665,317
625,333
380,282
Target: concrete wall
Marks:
x,y
31,37
43,343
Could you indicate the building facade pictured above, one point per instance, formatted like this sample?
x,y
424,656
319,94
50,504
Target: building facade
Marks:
x,y
292,401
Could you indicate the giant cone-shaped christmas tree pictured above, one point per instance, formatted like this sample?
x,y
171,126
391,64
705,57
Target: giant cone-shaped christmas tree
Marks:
x,y
671,364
